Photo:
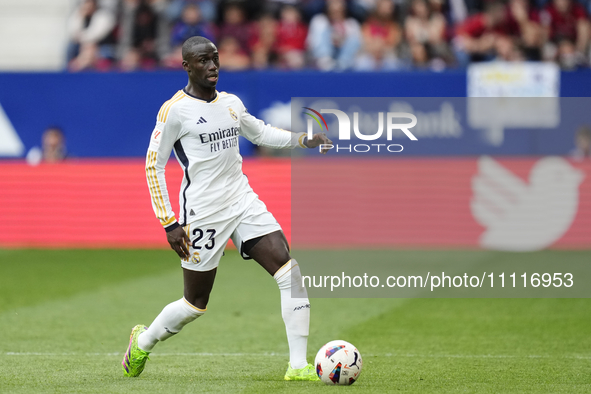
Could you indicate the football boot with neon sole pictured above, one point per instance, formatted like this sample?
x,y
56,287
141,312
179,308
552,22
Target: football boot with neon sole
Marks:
x,y
135,358
306,373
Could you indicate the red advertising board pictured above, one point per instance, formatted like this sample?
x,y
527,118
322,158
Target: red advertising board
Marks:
x,y
508,204
96,204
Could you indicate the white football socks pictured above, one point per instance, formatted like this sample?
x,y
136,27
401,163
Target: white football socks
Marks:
x,y
170,321
295,309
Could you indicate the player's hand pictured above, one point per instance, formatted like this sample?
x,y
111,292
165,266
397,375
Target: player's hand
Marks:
x,y
317,140
179,241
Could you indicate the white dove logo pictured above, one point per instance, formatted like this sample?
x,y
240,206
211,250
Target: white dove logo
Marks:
x,y
522,217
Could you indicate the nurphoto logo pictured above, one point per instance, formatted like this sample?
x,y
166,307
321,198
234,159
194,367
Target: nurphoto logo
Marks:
x,y
344,132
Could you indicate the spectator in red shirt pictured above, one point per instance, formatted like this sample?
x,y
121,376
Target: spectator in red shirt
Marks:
x,y
234,25
567,20
262,41
524,24
381,37
291,38
475,38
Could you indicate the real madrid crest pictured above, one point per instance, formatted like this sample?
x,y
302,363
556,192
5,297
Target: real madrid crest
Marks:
x,y
195,259
233,114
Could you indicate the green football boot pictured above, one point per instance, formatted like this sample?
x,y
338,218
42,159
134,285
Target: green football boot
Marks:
x,y
135,358
306,373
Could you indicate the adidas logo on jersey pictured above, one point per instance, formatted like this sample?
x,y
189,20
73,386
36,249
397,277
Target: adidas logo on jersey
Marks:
x,y
192,213
201,120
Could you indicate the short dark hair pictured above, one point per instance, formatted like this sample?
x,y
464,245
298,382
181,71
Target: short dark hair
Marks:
x,y
191,43
54,128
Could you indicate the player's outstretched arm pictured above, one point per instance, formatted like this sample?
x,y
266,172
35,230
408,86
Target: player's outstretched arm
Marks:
x,y
262,134
257,132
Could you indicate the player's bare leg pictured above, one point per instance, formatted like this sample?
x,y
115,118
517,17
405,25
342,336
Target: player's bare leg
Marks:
x,y
198,286
272,253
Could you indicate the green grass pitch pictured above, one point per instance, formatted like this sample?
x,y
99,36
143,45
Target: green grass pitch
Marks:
x,y
65,318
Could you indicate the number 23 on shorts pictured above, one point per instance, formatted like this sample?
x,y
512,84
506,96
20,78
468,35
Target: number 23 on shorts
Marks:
x,y
209,234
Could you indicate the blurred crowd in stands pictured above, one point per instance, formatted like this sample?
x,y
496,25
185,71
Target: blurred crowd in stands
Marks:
x,y
363,35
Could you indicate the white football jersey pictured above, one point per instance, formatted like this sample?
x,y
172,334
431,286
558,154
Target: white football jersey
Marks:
x,y
204,137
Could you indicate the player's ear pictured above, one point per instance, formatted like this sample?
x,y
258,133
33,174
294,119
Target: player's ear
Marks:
x,y
186,66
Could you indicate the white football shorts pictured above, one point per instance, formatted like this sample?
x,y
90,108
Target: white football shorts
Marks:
x,y
242,221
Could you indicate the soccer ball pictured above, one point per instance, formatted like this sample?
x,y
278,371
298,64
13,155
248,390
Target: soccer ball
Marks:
x,y
338,362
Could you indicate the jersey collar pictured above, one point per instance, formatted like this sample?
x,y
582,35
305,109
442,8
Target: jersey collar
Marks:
x,y
217,94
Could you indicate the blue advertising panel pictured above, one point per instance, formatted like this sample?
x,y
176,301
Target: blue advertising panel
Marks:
x,y
113,114
436,126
